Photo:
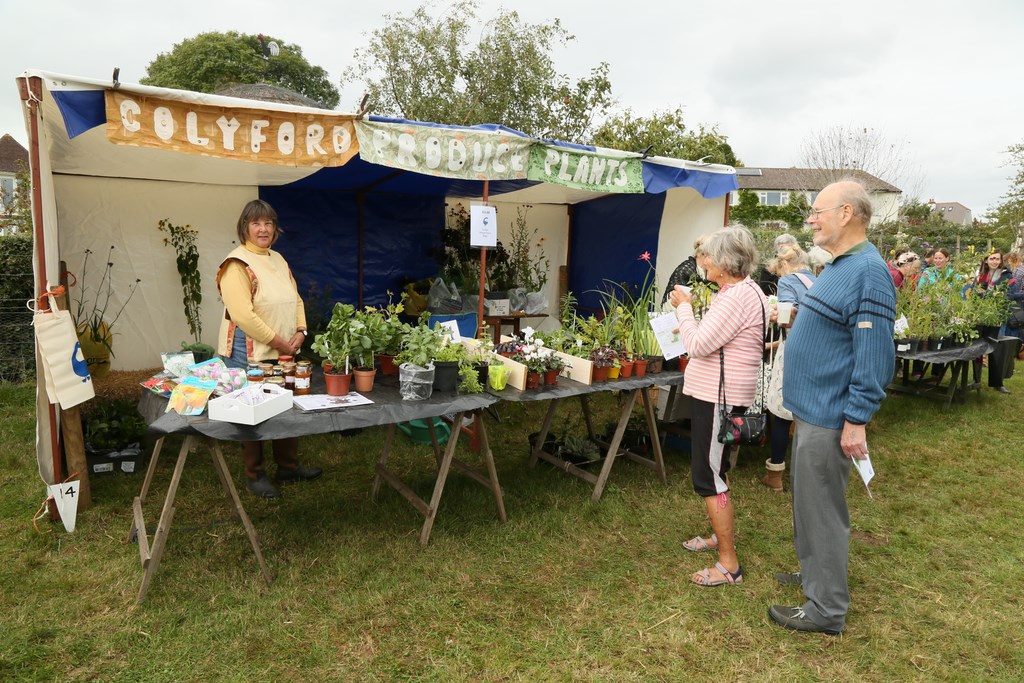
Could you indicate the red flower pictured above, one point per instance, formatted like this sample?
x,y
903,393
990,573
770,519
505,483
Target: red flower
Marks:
x,y
646,256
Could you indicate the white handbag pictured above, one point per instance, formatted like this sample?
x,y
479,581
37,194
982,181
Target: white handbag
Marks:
x,y
773,400
64,369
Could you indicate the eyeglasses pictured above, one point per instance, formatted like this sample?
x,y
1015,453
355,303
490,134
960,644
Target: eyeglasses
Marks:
x,y
814,213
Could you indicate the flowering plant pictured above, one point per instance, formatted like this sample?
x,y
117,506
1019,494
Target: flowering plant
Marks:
x,y
604,357
91,307
533,353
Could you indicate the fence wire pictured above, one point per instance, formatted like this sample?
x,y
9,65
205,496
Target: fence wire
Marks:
x,y
17,344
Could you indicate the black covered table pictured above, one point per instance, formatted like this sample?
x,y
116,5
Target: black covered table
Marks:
x,y
387,409
566,389
958,361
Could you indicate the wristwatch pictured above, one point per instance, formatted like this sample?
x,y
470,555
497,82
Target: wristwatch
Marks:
x,y
304,333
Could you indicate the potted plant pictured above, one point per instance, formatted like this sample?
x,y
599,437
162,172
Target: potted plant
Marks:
x,y
447,358
368,333
183,239
553,367
416,368
603,357
95,334
334,345
394,332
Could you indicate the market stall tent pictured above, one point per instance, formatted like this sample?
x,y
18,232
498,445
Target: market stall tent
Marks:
x,y
362,200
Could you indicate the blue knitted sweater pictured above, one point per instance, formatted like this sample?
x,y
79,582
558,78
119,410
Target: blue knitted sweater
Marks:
x,y
840,354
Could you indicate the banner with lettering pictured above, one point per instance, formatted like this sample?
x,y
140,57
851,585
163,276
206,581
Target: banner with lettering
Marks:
x,y
585,170
446,152
260,136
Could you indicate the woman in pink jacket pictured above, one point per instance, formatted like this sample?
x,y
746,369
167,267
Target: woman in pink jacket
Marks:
x,y
731,331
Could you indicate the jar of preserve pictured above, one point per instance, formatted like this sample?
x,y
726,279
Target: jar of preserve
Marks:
x,y
255,376
275,381
276,371
303,374
288,372
267,368
285,359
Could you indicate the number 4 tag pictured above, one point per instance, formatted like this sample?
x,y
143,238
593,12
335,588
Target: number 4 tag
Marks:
x,y
66,497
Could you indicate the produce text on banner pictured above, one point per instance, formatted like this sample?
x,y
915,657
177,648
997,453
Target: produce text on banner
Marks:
x,y
446,152
257,135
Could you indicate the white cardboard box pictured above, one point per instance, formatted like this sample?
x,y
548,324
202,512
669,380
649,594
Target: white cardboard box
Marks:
x,y
239,407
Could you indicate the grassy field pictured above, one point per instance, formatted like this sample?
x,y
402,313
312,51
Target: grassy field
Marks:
x,y
564,591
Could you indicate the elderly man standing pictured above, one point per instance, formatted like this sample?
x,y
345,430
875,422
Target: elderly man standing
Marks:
x,y
839,359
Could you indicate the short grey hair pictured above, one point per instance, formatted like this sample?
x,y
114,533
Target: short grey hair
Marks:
x,y
699,243
733,250
852,192
791,257
783,239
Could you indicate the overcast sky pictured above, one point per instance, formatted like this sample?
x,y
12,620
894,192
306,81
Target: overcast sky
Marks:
x,y
941,80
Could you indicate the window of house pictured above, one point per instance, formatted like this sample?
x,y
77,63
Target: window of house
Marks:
x,y
773,198
7,191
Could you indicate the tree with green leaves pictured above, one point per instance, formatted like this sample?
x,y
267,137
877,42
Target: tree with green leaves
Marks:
x,y
16,217
664,133
210,61
447,69
1007,217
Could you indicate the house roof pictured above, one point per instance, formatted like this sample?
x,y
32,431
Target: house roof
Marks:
x,y
11,152
806,179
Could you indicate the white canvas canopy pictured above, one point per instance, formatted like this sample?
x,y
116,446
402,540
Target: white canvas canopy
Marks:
x,y
110,160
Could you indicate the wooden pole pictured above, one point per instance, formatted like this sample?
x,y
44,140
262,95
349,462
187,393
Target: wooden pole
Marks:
x,y
483,271
31,91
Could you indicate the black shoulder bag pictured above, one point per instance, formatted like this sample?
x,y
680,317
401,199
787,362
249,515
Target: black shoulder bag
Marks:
x,y
751,427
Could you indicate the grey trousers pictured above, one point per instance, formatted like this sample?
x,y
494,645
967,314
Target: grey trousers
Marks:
x,y
821,522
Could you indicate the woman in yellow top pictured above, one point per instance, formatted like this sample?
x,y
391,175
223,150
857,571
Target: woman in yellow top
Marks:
x,y
263,319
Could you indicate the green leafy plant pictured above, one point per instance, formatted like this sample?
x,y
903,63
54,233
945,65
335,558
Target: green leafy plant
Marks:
x,y
114,425
368,333
420,345
183,239
469,381
334,344
527,263
91,306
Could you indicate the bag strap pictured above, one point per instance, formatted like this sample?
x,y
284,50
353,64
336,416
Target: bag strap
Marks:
x,y
721,351
804,279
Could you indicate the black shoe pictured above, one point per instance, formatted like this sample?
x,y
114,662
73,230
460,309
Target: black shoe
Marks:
x,y
1002,390
262,488
300,473
787,579
794,619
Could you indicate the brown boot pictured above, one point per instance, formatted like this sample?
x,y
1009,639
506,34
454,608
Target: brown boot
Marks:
x,y
773,479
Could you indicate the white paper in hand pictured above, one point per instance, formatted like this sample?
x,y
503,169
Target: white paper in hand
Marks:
x,y
866,471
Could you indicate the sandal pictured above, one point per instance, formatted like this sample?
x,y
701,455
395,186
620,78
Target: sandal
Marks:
x,y
703,577
699,545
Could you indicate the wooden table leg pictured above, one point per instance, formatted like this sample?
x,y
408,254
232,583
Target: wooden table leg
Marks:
x,y
254,539
613,447
442,477
389,437
152,562
652,431
492,471
587,418
134,532
544,429
433,438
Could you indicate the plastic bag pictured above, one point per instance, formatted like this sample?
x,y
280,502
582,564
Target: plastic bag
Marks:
x,y
517,299
415,382
537,302
773,399
443,299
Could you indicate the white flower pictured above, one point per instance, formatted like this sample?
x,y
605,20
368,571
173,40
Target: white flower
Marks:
x,y
539,342
527,333
579,343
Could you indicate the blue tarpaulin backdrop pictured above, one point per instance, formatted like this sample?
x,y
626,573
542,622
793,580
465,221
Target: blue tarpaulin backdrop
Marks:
x,y
608,236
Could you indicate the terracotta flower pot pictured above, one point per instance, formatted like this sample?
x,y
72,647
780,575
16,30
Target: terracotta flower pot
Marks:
x,y
683,361
627,368
640,367
533,380
600,373
550,378
337,384
364,380
387,365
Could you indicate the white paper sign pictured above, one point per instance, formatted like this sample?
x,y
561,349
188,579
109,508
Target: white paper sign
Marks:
x,y
66,497
451,330
671,343
866,471
900,326
483,226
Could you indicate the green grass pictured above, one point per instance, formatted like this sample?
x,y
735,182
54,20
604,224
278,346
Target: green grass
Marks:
x,y
564,591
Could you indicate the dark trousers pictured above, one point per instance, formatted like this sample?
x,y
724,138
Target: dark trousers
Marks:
x,y
285,455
